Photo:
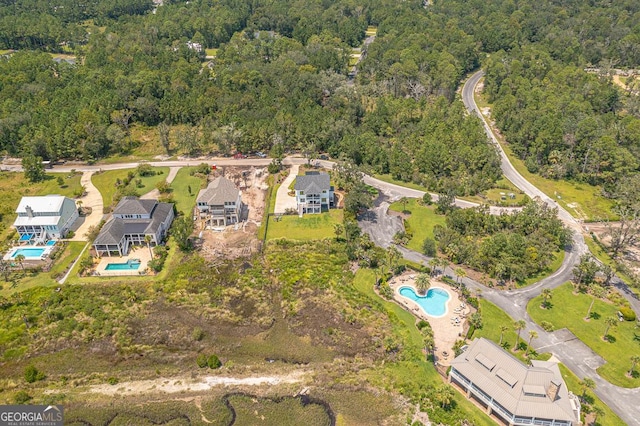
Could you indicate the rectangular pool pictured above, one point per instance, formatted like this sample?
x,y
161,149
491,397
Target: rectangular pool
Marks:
x,y
28,253
51,242
128,266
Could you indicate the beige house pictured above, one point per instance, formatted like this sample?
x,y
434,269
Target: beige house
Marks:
x,y
513,392
220,203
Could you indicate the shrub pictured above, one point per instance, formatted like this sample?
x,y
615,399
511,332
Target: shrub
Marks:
x,y
628,314
202,168
197,334
201,360
214,362
423,324
426,199
145,170
112,380
21,397
163,187
386,291
32,374
546,326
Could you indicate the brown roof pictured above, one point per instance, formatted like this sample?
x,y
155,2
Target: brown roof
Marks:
x,y
219,190
519,388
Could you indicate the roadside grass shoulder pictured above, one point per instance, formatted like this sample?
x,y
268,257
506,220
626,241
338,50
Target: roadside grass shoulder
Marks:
x,y
307,227
421,221
582,200
13,186
411,375
184,199
568,311
604,257
573,384
105,182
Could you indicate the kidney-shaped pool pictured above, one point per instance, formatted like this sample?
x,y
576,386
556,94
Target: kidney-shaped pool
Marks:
x,y
434,303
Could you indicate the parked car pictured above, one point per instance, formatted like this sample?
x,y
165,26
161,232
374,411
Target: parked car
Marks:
x,y
261,154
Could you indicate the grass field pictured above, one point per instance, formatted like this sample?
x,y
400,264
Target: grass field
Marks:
x,y
211,52
371,31
492,318
410,373
184,200
267,412
44,279
105,182
13,186
573,384
583,201
421,221
569,309
307,227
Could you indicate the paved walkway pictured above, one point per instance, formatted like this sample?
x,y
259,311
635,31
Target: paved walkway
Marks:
x,y
154,194
92,199
283,200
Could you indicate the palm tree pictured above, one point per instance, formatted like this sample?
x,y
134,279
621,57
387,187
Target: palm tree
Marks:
x,y
597,412
503,328
546,296
20,259
519,326
610,322
433,264
597,292
461,274
532,335
585,384
404,201
147,239
423,283
429,342
634,360
444,395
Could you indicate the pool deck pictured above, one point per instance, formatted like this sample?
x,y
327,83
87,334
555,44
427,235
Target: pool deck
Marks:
x,y
137,252
45,253
446,331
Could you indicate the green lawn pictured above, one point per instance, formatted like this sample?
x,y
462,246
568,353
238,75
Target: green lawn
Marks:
x,y
569,309
558,258
31,280
573,384
105,182
184,200
211,52
492,318
14,185
387,178
307,227
409,373
421,221
371,30
583,201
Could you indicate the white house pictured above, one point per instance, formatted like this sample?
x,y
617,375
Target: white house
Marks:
x,y
45,217
313,192
515,393
220,203
133,220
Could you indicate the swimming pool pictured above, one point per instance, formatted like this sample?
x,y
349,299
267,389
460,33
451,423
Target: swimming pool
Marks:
x,y
128,266
28,253
434,303
51,242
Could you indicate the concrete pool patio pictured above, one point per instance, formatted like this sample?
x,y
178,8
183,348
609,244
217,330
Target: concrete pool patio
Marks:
x,y
138,253
446,331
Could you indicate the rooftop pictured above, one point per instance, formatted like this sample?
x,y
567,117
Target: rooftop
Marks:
x,y
313,183
41,204
218,191
134,205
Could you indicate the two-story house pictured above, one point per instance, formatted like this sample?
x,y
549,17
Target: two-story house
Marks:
x,y
133,220
220,203
313,192
45,217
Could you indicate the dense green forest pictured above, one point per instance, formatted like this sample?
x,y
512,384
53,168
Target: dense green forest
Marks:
x,y
279,81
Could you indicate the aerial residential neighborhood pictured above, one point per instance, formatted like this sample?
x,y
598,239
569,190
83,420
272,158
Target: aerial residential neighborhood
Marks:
x,y
329,213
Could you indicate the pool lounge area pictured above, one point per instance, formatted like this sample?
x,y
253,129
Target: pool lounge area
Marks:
x,y
135,263
29,252
433,303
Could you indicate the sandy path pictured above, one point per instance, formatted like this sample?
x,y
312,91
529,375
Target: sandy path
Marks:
x,y
154,193
92,199
283,200
182,384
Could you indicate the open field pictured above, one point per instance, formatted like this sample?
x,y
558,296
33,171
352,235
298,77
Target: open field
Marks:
x,y
13,186
568,311
583,201
421,221
492,318
186,200
105,182
307,227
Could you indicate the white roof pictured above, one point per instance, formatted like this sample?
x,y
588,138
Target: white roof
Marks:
x,y
36,221
46,203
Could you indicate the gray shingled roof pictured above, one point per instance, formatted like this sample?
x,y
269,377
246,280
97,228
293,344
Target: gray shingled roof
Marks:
x,y
219,190
505,379
113,231
313,183
133,205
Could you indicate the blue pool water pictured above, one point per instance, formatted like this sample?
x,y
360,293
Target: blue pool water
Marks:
x,y
434,303
51,242
128,266
28,253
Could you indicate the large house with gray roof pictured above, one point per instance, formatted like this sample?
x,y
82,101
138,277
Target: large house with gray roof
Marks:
x,y
314,192
133,220
511,391
45,217
220,203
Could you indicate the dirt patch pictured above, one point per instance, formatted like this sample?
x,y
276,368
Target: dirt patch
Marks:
x,y
239,240
630,256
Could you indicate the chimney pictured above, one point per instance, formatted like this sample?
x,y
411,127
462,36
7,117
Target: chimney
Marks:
x,y
29,211
553,389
